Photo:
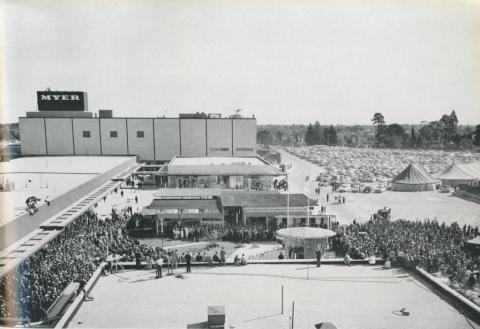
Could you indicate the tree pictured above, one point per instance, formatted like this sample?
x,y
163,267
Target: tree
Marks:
x,y
476,136
379,121
449,125
413,137
309,135
394,136
437,129
317,133
330,134
264,137
278,137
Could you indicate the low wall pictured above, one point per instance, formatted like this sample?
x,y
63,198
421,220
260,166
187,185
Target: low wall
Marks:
x,y
457,298
332,261
18,228
77,302
467,196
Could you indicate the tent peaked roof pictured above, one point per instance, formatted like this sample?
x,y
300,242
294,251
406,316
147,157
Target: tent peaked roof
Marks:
x,y
414,174
461,171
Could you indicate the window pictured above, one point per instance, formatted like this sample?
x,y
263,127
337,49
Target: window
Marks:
x,y
219,149
140,134
113,134
86,134
244,149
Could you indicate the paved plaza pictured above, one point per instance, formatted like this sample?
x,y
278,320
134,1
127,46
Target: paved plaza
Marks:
x,y
350,297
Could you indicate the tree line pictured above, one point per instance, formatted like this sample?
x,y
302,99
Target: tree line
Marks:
x,y
443,133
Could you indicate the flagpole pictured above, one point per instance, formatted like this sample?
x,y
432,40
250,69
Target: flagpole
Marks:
x,y
288,201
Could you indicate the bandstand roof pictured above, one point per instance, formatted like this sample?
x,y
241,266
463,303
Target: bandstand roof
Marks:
x,y
304,233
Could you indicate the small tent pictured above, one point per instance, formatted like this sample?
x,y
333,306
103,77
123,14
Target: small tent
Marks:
x,y
414,178
457,174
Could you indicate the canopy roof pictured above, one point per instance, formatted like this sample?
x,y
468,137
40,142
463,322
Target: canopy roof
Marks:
x,y
219,166
475,241
461,172
264,199
414,174
304,233
183,208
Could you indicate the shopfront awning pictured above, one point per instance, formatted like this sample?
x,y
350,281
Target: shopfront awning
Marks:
x,y
274,211
183,208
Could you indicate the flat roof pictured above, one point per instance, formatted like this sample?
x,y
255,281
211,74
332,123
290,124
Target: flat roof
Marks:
x,y
216,161
360,296
187,192
62,164
220,166
49,176
184,204
263,199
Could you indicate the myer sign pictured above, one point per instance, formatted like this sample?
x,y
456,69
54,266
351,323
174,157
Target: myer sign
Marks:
x,y
60,97
62,100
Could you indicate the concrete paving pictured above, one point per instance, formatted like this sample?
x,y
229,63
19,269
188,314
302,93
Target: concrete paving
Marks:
x,y
350,297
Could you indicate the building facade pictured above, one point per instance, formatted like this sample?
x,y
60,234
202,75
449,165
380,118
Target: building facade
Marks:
x,y
151,139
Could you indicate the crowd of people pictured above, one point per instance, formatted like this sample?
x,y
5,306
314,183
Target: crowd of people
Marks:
x,y
428,244
228,232
30,289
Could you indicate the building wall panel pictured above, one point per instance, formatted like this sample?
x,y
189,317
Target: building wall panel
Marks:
x,y
167,139
219,137
59,136
113,145
32,136
193,137
140,138
244,137
86,145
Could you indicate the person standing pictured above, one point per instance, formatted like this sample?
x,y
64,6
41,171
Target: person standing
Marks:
x,y
174,259
168,263
318,253
121,193
159,267
222,256
188,260
81,288
328,197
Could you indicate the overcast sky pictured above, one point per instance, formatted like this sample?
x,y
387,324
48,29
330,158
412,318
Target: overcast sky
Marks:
x,y
287,62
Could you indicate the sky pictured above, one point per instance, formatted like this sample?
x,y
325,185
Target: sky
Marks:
x,y
286,62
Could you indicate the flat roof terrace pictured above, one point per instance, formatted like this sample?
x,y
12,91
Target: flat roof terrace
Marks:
x,y
219,166
216,161
360,296
47,176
